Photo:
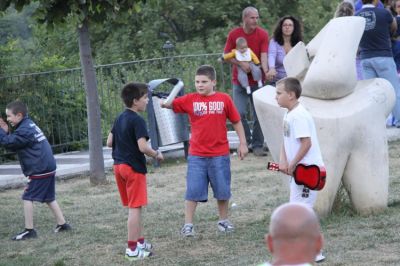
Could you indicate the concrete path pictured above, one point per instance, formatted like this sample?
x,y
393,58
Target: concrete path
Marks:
x,y
77,163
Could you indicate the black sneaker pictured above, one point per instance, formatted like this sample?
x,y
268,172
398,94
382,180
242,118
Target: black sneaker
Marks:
x,y
31,233
63,227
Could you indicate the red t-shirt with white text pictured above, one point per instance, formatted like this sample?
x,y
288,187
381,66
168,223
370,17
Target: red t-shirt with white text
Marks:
x,y
207,116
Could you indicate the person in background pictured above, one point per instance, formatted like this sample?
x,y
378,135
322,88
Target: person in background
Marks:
x,y
359,3
345,9
257,40
375,48
245,54
396,37
287,33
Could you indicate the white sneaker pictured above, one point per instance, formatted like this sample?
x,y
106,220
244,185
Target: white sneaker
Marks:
x,y
260,84
320,257
248,90
187,230
137,254
225,226
146,246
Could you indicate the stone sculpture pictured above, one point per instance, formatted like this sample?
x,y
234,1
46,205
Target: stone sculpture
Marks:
x,y
349,115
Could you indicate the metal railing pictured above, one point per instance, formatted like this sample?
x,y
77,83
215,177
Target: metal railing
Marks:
x,y
57,100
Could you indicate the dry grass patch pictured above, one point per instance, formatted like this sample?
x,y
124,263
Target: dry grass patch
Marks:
x,y
99,223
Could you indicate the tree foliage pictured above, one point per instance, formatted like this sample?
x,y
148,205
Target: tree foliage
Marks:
x,y
119,33
44,35
81,13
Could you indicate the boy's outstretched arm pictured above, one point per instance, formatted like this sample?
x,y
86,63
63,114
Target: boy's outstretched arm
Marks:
x,y
110,140
242,149
305,145
146,149
14,141
165,105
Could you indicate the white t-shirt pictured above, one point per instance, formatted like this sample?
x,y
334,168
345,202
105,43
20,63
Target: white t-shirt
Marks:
x,y
298,123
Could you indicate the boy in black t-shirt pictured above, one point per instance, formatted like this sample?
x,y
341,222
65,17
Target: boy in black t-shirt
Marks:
x,y
128,139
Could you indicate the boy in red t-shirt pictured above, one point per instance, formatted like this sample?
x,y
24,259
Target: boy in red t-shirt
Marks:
x,y
208,160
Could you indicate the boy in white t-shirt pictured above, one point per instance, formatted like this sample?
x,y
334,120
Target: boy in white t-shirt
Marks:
x,y
300,142
243,53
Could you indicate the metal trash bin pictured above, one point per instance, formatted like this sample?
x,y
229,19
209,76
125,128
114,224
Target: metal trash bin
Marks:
x,y
165,126
171,127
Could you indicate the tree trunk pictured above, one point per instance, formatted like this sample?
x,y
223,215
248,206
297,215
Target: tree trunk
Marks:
x,y
97,174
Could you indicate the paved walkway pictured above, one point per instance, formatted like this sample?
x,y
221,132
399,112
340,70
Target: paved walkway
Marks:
x,y
77,163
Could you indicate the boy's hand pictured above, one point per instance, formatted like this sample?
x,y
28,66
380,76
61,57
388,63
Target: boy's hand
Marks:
x,y
159,156
291,169
242,150
284,167
165,105
3,125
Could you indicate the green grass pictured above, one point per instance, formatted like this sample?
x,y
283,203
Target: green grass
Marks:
x,y
99,222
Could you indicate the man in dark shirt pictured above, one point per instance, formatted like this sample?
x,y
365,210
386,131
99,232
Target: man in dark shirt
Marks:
x,y
375,48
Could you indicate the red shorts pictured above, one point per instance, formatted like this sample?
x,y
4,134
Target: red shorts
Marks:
x,y
131,185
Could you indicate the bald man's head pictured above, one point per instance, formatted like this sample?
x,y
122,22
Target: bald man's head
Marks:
x,y
294,220
294,234
250,19
248,10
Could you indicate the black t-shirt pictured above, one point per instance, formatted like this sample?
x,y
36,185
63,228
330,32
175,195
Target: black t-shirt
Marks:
x,y
375,41
128,128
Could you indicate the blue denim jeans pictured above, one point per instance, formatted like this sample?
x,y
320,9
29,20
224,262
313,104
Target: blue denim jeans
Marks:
x,y
241,100
202,171
383,67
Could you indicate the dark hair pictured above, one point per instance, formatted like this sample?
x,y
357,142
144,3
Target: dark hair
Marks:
x,y
291,85
297,34
367,1
17,107
132,91
208,71
344,9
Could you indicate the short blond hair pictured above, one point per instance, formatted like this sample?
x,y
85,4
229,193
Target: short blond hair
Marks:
x,y
291,85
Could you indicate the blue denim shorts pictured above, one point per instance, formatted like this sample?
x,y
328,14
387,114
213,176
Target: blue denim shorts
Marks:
x,y
41,190
202,171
